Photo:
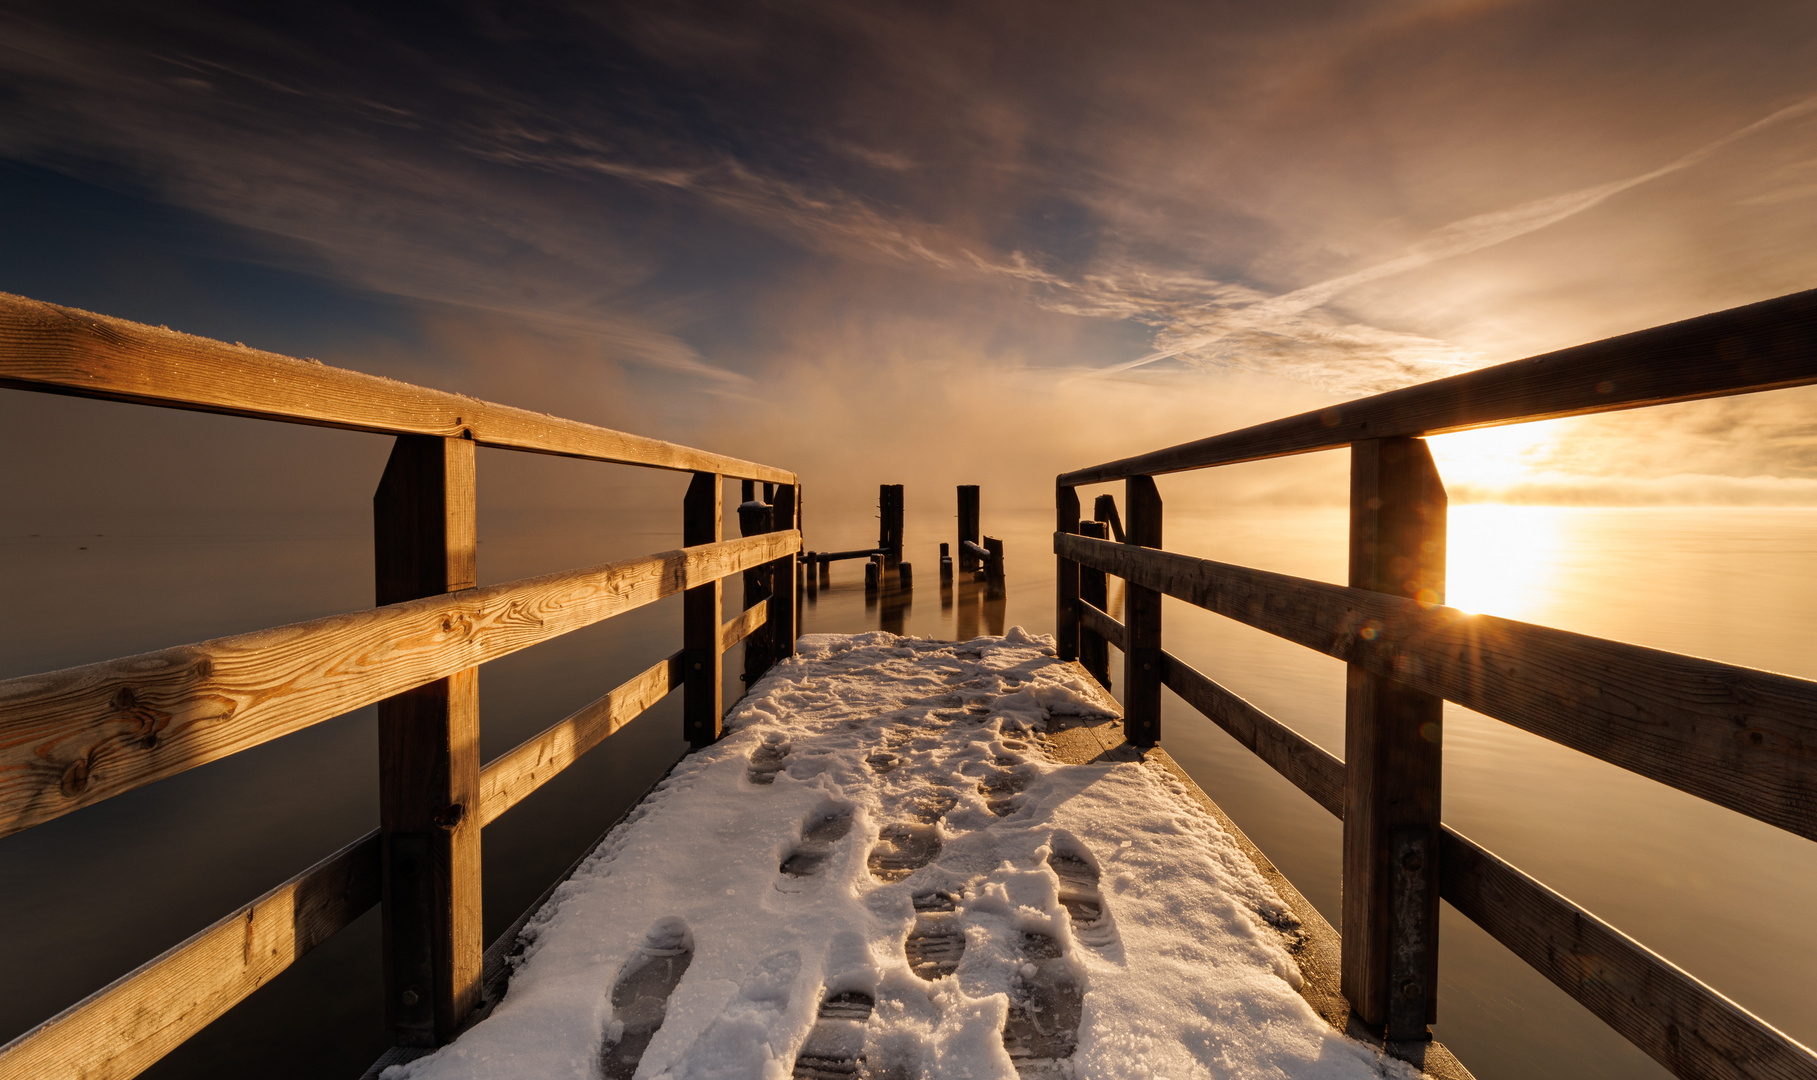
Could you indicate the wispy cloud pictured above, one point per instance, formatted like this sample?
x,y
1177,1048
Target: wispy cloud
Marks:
x,y
1284,314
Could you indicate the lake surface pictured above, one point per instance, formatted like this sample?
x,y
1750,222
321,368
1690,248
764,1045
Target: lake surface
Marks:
x,y
108,887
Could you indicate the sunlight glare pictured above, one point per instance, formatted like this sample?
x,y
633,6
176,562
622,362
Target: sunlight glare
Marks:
x,y
1502,560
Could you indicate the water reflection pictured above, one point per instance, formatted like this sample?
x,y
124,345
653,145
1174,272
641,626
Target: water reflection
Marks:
x,y
969,606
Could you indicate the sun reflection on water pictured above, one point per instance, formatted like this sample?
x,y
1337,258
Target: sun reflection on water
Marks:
x,y
1503,560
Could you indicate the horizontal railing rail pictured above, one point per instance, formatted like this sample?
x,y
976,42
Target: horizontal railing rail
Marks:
x,y
71,738
74,737
1734,736
1655,1004
63,350
1766,346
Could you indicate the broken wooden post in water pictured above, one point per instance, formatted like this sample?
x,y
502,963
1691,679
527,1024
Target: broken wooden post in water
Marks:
x,y
889,522
993,569
968,526
946,563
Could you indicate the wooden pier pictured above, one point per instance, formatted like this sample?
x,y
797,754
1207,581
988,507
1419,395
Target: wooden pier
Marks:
x,y
1743,739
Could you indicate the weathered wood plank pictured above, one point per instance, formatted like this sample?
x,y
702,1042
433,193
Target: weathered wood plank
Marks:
x,y
703,667
785,580
1094,593
1099,622
1066,577
1391,749
1763,346
1313,769
65,350
1741,738
511,776
122,1029
1678,1021
71,738
1142,620
424,543
744,624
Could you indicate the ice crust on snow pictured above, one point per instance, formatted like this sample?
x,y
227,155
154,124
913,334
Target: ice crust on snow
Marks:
x,y
1180,976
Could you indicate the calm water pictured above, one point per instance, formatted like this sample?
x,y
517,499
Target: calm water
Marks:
x,y
111,886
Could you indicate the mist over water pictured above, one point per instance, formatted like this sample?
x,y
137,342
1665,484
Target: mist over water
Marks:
x,y
111,886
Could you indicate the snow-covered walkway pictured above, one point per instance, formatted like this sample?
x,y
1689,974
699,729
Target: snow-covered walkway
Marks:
x,y
882,871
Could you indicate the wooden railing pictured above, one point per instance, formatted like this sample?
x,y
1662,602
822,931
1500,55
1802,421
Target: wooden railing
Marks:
x,y
1737,737
71,738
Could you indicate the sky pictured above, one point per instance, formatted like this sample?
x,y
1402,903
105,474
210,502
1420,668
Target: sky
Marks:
x,y
947,242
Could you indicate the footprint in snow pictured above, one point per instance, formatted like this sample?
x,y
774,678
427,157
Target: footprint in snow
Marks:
x,y
819,833
834,1049
905,847
1046,1003
1072,862
936,943
640,997
1000,790
766,761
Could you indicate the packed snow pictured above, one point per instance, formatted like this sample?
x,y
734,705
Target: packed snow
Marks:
x,y
879,872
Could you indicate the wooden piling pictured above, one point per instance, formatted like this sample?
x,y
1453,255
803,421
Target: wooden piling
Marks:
x,y
702,699
946,564
889,522
993,569
424,545
1142,605
968,526
1392,752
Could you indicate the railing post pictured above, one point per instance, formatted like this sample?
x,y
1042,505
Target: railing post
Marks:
x,y
968,526
1392,753
1094,589
755,517
785,609
1066,577
701,706
1142,625
424,531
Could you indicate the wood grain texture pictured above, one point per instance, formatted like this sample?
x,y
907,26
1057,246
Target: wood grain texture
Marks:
x,y
425,537
1392,736
511,776
124,1028
1682,1023
71,738
1678,1021
65,350
1764,346
744,624
1313,769
1741,738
